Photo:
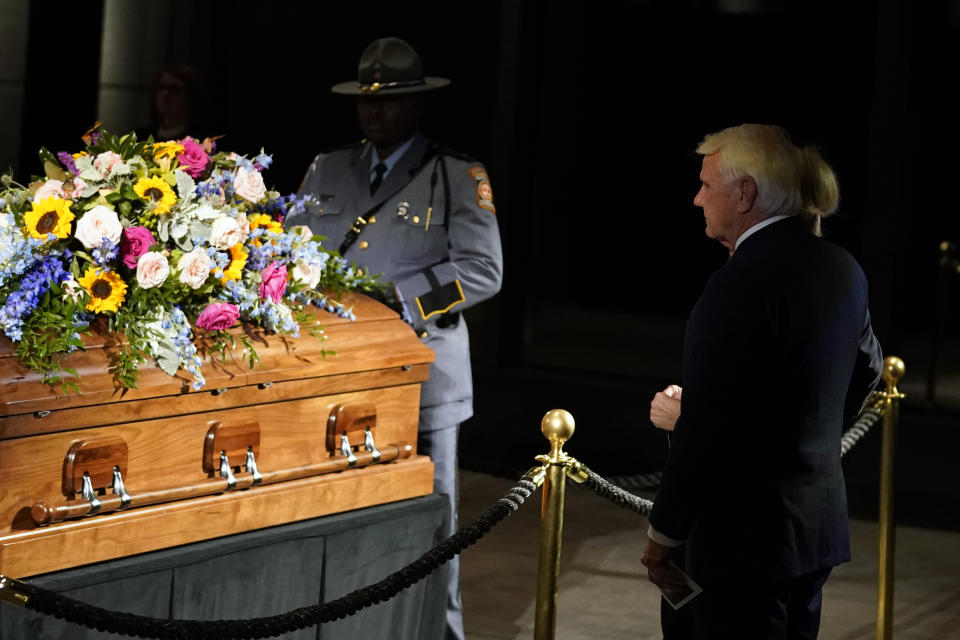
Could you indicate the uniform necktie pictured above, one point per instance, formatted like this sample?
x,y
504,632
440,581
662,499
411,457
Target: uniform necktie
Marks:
x,y
379,169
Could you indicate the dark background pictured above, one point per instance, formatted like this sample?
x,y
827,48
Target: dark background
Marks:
x,y
587,115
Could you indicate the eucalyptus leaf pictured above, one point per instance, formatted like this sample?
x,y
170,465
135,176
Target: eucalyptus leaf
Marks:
x,y
186,186
89,175
88,191
167,358
200,230
206,212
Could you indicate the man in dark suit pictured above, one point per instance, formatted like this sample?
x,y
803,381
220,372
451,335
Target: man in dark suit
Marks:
x,y
779,354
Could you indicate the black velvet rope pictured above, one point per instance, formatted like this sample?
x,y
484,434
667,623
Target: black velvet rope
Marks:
x,y
59,606
870,415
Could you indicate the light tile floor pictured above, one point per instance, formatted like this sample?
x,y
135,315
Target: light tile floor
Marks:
x,y
604,593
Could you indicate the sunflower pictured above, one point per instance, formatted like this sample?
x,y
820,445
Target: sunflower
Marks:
x,y
106,289
157,191
238,258
49,215
263,220
167,149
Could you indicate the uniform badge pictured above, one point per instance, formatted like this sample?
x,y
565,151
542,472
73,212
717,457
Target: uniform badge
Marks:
x,y
484,190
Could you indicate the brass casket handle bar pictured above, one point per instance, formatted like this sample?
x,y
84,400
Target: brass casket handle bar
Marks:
x,y
44,514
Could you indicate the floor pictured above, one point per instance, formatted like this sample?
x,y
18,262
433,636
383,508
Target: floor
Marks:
x,y
604,593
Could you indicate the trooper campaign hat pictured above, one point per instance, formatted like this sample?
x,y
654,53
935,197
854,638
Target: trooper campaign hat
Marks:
x,y
389,66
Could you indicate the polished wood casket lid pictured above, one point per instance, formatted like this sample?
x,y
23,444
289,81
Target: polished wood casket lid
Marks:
x,y
377,349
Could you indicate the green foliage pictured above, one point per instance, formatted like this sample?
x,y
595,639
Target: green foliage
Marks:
x,y
49,335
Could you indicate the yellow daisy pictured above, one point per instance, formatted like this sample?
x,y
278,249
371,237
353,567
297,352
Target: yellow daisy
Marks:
x,y
158,191
107,289
238,258
167,149
49,215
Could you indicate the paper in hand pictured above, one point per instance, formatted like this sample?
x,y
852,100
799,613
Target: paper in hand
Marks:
x,y
676,598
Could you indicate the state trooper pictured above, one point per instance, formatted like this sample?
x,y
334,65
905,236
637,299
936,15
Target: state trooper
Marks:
x,y
423,216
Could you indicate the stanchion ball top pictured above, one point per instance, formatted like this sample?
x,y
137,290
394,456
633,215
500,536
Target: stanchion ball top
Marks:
x,y
893,370
557,425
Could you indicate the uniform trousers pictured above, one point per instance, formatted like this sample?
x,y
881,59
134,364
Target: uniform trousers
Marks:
x,y
441,446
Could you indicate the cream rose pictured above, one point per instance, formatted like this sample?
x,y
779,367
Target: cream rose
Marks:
x,y
194,268
98,223
227,232
304,232
307,273
249,185
152,270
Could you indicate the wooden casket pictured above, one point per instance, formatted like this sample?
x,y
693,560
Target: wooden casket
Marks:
x,y
103,474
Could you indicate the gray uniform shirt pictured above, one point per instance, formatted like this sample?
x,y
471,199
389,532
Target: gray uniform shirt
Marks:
x,y
421,242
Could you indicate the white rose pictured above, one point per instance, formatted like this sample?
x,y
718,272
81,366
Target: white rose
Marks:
x,y
152,269
226,232
95,225
249,185
194,267
50,189
307,273
105,162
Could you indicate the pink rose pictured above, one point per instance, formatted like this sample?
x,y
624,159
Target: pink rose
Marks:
x,y
135,242
194,159
249,185
152,270
217,316
105,162
50,189
273,281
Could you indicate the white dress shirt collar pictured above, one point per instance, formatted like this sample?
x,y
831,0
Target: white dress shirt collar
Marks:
x,y
760,225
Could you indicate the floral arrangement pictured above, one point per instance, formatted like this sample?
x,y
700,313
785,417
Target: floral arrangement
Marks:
x,y
168,242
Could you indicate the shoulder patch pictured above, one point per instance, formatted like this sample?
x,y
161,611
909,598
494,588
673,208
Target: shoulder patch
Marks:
x,y
484,191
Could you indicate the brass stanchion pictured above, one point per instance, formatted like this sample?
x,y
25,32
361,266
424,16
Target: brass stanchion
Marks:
x,y
557,426
893,370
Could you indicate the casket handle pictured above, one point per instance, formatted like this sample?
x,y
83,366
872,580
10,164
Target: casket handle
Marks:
x,y
44,514
351,422
232,441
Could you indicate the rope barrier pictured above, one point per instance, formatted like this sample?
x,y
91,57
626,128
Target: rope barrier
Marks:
x,y
59,606
870,415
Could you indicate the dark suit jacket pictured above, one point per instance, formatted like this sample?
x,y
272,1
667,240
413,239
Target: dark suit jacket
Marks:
x,y
779,355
